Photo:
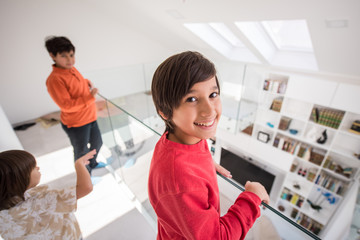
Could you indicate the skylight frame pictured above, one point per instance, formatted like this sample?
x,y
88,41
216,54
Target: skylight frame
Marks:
x,y
227,34
299,29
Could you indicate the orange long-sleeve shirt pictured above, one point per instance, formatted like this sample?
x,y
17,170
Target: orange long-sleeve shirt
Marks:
x,y
70,91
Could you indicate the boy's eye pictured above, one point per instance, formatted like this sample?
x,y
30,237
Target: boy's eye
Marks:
x,y
191,99
214,94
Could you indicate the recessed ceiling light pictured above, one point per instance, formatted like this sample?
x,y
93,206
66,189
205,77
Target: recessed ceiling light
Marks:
x,y
337,23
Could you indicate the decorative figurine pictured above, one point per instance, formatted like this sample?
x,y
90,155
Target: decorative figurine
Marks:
x,y
323,138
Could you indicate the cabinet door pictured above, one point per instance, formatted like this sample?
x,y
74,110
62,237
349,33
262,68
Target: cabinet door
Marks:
x,y
311,90
347,97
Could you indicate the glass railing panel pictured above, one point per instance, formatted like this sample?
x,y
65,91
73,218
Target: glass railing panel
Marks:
x,y
354,231
110,149
136,141
119,81
272,224
248,106
131,127
230,76
141,107
127,146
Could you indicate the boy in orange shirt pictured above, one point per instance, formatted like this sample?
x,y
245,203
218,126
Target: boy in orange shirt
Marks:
x,y
75,96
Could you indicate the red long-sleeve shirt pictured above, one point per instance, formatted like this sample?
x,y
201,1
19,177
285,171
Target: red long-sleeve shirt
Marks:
x,y
70,91
184,192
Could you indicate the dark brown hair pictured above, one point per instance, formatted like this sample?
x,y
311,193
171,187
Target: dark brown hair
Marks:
x,y
15,170
57,45
174,78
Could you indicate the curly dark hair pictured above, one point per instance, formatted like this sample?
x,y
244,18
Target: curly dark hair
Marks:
x,y
174,78
15,171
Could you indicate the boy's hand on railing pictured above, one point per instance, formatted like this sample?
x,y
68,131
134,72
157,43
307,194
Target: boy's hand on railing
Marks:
x,y
258,189
223,171
94,91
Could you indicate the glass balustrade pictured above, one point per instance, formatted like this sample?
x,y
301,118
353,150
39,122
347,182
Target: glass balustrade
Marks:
x,y
129,140
254,104
127,147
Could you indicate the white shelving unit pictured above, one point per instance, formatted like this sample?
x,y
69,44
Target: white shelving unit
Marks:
x,y
321,171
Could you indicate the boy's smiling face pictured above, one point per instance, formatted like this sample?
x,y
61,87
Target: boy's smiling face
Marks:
x,y
65,60
198,114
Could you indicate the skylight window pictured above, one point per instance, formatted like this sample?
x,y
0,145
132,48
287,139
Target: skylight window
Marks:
x,y
285,43
210,36
223,40
290,35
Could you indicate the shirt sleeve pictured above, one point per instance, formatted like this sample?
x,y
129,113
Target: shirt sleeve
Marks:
x,y
59,93
193,217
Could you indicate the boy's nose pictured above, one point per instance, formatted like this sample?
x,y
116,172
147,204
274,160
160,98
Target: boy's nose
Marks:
x,y
206,109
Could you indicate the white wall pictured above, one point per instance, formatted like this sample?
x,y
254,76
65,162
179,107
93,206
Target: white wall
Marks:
x,y
8,138
101,42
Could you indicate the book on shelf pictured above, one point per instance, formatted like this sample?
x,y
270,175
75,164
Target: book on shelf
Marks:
x,y
337,167
316,156
276,104
309,223
275,86
284,123
355,127
286,144
294,199
276,142
327,117
330,183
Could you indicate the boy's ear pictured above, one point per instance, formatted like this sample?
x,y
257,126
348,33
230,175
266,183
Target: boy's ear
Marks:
x,y
52,56
162,115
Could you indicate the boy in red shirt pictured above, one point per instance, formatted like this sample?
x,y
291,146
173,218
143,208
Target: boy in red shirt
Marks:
x,y
75,96
182,185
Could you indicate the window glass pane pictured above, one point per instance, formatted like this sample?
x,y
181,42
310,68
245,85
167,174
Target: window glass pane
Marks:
x,y
289,35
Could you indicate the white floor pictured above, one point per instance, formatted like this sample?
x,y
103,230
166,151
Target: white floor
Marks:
x,y
108,212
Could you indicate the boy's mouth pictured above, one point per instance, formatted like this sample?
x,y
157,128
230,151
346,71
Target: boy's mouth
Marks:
x,y
205,124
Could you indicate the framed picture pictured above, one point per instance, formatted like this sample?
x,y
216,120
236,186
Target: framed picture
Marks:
x,y
263,136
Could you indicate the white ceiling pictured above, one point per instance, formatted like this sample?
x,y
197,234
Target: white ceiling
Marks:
x,y
110,34
337,50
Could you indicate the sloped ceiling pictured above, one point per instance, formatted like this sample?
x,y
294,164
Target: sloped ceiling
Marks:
x,y
114,33
337,49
